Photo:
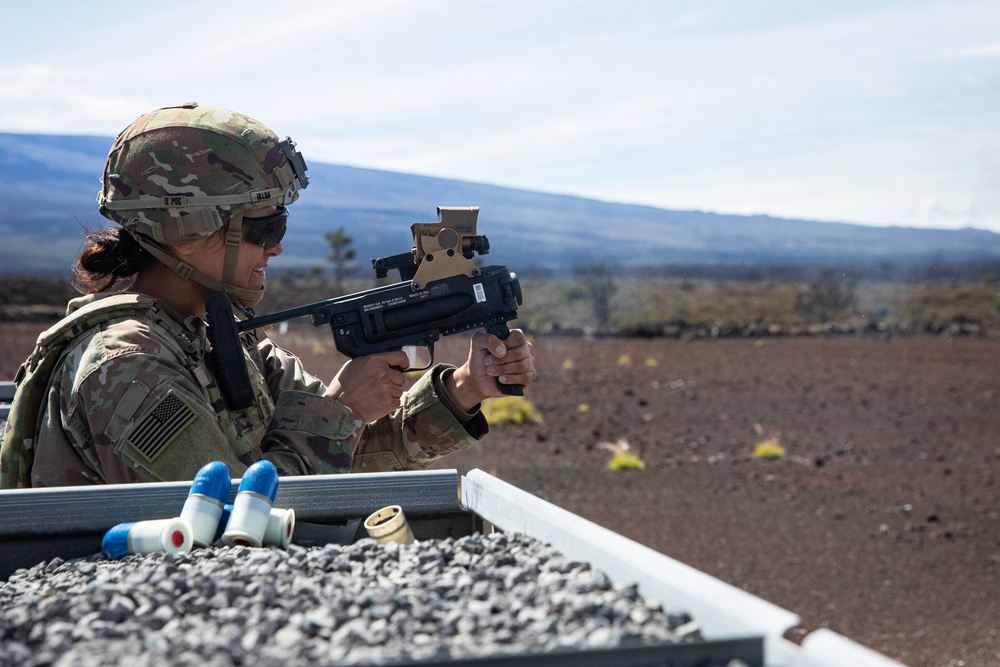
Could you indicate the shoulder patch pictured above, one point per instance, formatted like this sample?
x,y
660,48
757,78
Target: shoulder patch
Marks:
x,y
164,421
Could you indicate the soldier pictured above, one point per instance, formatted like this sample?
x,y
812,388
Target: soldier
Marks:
x,y
122,389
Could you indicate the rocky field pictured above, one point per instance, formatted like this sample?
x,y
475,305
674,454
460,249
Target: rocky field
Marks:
x,y
881,520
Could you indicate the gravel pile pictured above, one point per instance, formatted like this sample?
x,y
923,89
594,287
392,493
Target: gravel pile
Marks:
x,y
366,603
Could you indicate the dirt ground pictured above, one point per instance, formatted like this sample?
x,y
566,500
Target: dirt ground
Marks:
x,y
881,521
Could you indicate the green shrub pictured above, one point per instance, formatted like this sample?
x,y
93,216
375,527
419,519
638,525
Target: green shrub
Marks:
x,y
510,410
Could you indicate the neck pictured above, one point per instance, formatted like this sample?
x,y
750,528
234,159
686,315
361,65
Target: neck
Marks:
x,y
160,282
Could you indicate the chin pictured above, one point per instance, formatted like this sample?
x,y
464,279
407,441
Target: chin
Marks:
x,y
250,303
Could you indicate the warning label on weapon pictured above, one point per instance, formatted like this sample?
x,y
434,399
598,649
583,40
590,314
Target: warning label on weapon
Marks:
x,y
385,303
480,292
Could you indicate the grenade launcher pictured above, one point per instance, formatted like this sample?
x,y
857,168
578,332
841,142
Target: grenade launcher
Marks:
x,y
441,292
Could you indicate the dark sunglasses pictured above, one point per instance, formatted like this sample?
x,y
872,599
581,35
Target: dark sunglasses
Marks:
x,y
268,230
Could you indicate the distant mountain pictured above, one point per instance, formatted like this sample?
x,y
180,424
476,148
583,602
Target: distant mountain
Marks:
x,y
51,185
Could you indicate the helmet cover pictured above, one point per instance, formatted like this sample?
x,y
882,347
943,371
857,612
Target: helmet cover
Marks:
x,y
178,174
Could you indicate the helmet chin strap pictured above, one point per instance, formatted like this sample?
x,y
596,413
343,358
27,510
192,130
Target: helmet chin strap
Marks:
x,y
234,238
248,297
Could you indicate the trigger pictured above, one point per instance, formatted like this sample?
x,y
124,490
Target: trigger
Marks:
x,y
411,355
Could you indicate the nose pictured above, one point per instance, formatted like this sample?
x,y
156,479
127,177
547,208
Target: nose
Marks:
x,y
275,250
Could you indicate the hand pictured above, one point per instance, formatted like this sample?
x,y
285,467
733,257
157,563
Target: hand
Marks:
x,y
491,359
370,386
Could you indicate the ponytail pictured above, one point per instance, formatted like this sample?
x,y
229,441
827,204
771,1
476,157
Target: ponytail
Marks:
x,y
111,257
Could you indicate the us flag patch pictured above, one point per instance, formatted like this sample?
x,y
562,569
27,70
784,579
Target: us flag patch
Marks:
x,y
155,431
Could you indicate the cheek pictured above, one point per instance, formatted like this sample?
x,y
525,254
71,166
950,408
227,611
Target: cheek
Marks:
x,y
251,256
249,262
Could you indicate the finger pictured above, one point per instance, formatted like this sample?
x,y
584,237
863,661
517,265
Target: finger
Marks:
x,y
516,352
522,378
395,376
517,338
510,373
394,359
489,343
518,360
515,341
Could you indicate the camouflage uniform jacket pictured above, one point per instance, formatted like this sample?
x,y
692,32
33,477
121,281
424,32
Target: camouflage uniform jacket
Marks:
x,y
135,399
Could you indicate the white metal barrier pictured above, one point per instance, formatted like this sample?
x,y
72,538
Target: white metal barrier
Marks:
x,y
722,610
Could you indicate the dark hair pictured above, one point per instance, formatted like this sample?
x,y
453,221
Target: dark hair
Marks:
x,y
110,257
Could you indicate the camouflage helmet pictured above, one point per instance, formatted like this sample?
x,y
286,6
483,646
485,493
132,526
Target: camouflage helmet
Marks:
x,y
177,174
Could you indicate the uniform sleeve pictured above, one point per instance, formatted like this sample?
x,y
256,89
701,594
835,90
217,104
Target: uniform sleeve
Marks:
x,y
322,436
421,431
307,433
284,371
311,434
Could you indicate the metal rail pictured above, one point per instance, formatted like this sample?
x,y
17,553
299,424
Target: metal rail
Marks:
x,y
40,524
329,498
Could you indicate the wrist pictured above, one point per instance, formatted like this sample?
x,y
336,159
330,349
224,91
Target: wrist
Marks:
x,y
462,389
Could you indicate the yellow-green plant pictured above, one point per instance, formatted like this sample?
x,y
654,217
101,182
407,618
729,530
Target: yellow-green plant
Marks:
x,y
510,410
622,457
626,461
769,449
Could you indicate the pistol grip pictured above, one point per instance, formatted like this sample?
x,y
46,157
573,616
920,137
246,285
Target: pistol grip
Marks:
x,y
511,389
501,331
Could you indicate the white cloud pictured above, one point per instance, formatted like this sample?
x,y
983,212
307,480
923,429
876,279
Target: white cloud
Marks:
x,y
43,98
975,52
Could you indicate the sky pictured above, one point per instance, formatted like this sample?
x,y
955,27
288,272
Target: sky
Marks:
x,y
882,113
